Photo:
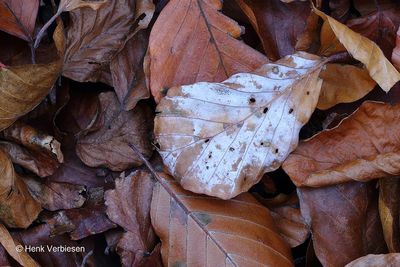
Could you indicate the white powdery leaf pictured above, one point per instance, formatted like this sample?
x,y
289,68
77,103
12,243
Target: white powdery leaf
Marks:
x,y
220,138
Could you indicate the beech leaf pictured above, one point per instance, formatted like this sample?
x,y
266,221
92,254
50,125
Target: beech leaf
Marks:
x,y
18,17
200,230
380,260
23,87
199,45
367,151
366,51
17,206
220,138
396,51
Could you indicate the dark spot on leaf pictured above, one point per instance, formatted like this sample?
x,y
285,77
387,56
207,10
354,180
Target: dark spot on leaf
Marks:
x,y
262,143
207,140
231,149
207,167
290,111
265,110
308,92
276,151
275,70
202,217
252,100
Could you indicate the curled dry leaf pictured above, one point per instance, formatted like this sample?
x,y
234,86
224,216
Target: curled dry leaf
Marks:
x,y
23,87
95,37
332,214
382,260
389,203
18,17
396,51
199,45
220,138
127,72
7,241
128,205
277,33
17,207
88,220
362,147
366,51
56,196
109,145
200,230
343,84
69,5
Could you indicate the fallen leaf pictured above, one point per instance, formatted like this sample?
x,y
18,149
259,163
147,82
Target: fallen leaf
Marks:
x,y
10,245
17,207
23,87
389,204
88,220
329,43
220,138
379,26
127,71
69,5
362,147
199,230
128,205
278,34
37,141
366,51
56,196
391,259
96,36
332,214
396,51
18,17
199,45
340,9
109,145
343,84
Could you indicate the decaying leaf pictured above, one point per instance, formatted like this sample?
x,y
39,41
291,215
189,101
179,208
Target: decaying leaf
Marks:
x,y
199,45
381,260
18,17
396,51
344,221
366,51
7,241
200,230
278,34
128,205
17,207
23,87
343,84
220,138
362,147
389,203
69,5
56,196
96,36
109,145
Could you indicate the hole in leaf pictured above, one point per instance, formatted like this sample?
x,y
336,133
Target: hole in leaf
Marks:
x,y
262,143
207,140
252,100
290,111
207,167
308,92
276,151
231,149
265,110
157,145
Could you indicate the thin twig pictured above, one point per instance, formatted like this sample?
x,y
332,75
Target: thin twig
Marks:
x,y
145,161
33,55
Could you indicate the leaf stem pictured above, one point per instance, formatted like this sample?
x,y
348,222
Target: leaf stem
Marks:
x,y
145,161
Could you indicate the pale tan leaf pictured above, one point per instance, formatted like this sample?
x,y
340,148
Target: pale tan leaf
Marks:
x,y
17,207
205,231
220,138
396,51
366,51
23,87
380,260
68,5
14,249
343,84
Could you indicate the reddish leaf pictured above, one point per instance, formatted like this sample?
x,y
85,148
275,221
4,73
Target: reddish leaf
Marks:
x,y
18,17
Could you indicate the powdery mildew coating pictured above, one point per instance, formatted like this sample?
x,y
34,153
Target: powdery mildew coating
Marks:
x,y
220,138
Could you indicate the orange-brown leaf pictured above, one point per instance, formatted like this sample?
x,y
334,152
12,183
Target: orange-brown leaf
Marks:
x,y
191,41
197,230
